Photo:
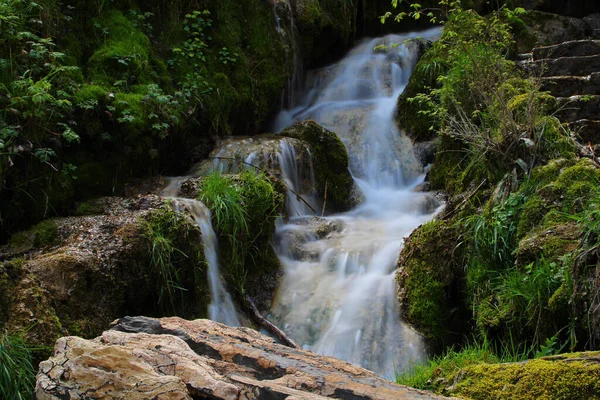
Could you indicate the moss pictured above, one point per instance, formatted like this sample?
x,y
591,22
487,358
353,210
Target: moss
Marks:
x,y
429,281
125,54
90,207
88,94
175,254
534,209
546,174
412,115
330,162
45,233
536,379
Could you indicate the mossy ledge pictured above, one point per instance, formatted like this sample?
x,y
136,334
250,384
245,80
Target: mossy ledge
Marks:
x,y
330,162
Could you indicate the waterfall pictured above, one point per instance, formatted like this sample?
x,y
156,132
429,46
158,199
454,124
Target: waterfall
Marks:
x,y
221,308
338,295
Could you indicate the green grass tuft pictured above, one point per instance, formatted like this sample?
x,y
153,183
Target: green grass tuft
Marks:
x,y
17,372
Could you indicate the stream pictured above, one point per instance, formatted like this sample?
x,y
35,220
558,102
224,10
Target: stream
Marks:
x,y
338,296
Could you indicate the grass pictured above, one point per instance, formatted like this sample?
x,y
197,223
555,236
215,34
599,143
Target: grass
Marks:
x,y
440,371
160,230
17,372
244,208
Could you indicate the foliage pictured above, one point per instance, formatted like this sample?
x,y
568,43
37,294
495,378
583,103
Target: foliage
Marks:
x,y
244,209
17,371
162,229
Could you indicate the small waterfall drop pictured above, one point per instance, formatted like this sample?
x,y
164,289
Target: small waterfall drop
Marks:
x,y
338,296
221,308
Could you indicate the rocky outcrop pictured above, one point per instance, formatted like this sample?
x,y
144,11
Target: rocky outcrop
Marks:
x,y
171,358
330,158
571,71
75,275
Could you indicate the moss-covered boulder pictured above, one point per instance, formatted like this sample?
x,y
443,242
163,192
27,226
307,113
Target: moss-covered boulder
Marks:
x,y
568,376
429,281
410,113
330,163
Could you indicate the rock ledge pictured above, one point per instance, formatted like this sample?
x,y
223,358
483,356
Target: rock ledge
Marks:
x,y
171,358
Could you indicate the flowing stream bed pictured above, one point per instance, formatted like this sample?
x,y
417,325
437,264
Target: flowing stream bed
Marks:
x,y
338,296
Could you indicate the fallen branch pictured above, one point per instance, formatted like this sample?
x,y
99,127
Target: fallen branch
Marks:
x,y
324,200
268,325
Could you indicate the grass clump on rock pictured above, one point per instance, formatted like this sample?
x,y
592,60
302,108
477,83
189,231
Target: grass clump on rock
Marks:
x,y
17,371
244,209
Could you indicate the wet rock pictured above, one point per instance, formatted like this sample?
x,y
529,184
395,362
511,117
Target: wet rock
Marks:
x,y
299,234
172,358
330,162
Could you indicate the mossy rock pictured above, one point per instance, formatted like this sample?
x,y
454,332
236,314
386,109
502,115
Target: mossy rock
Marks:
x,y
330,162
429,280
244,209
25,306
411,114
560,377
550,242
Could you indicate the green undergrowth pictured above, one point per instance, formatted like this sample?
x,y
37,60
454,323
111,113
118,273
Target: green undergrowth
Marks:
x,y
17,370
244,209
511,259
477,372
176,260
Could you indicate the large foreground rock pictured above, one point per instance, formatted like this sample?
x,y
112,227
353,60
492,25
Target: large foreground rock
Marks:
x,y
171,358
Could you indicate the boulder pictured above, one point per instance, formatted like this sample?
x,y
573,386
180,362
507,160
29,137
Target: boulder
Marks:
x,y
330,160
75,275
171,358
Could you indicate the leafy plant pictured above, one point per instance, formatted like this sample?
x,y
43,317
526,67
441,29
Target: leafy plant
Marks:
x,y
227,57
195,25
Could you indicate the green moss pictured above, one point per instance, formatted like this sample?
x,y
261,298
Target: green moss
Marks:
x,y
175,253
45,233
125,54
546,174
536,379
412,115
90,207
90,95
330,162
427,280
534,209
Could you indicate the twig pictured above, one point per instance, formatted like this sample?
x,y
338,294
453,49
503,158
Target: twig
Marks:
x,y
324,199
268,325
467,198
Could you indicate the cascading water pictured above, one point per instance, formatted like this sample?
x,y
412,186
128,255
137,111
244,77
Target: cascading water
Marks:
x,y
221,308
338,296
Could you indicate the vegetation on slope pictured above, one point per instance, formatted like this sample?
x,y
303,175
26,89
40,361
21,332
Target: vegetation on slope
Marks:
x,y
512,260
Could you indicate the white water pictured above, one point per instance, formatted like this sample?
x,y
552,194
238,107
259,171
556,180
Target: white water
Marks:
x,y
221,308
338,296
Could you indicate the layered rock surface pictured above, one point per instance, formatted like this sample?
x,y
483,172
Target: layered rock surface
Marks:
x,y
171,358
571,71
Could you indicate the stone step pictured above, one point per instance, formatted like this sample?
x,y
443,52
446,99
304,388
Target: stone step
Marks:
x,y
576,48
588,131
576,108
573,66
525,57
567,86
